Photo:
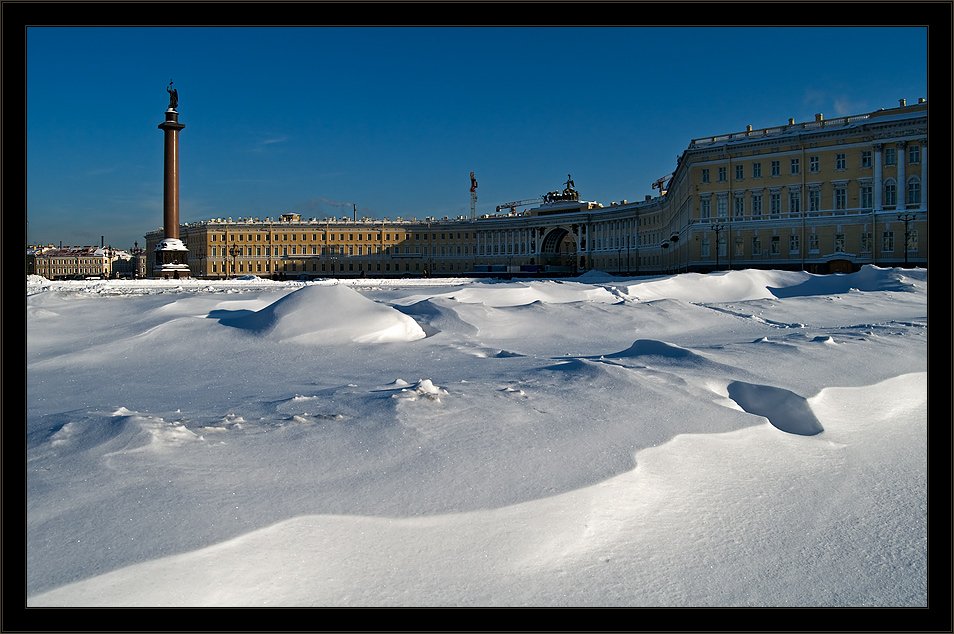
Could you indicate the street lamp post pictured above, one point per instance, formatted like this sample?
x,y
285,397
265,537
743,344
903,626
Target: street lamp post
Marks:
x,y
674,258
906,218
234,251
717,228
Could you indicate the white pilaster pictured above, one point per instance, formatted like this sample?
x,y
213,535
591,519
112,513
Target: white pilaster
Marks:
x,y
902,185
878,185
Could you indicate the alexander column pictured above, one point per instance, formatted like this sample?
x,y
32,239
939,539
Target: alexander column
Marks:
x,y
171,253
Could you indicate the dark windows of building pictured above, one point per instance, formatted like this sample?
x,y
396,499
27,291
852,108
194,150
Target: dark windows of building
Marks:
x,y
866,158
840,161
796,166
839,243
913,191
776,168
887,241
866,196
756,170
775,204
841,198
722,174
890,156
813,164
705,174
739,170
814,200
914,153
890,193
866,242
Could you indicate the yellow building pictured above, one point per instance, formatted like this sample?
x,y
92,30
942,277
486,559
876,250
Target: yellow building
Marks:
x,y
293,247
67,263
826,195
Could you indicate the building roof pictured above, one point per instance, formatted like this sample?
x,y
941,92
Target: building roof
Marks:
x,y
915,111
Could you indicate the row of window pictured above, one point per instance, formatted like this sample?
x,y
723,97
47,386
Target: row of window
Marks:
x,y
794,244
324,267
839,200
814,164
257,237
335,249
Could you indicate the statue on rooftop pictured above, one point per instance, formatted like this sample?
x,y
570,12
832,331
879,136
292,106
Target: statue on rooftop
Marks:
x,y
173,96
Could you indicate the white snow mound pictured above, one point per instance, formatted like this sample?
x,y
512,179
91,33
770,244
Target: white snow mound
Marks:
x,y
330,314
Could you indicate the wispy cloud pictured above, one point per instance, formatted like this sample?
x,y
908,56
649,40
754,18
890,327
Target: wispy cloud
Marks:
x,y
101,171
268,142
322,205
844,106
836,105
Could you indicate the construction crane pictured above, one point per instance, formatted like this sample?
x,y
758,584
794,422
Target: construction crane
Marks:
x,y
512,206
660,184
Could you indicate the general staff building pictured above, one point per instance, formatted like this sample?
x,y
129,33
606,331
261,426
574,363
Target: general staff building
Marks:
x,y
827,195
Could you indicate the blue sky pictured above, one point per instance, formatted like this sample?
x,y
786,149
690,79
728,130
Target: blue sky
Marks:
x,y
393,119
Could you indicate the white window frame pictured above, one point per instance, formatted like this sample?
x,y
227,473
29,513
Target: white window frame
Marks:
x,y
914,154
912,191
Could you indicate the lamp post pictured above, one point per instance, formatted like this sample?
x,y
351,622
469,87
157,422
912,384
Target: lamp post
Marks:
x,y
717,228
673,239
906,218
234,251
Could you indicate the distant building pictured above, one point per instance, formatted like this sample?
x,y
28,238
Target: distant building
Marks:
x,y
827,195
74,263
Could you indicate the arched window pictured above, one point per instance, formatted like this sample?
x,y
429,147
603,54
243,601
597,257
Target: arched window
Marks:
x,y
890,193
913,191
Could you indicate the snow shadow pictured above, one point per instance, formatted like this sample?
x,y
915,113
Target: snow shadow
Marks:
x,y
869,278
786,410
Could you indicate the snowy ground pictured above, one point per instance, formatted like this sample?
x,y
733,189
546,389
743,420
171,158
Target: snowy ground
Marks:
x,y
750,438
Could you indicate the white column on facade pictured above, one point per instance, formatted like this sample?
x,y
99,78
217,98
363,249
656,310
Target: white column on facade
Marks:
x,y
902,186
878,185
924,177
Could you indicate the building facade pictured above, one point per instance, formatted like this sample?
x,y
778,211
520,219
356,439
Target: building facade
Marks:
x,y
828,195
73,263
